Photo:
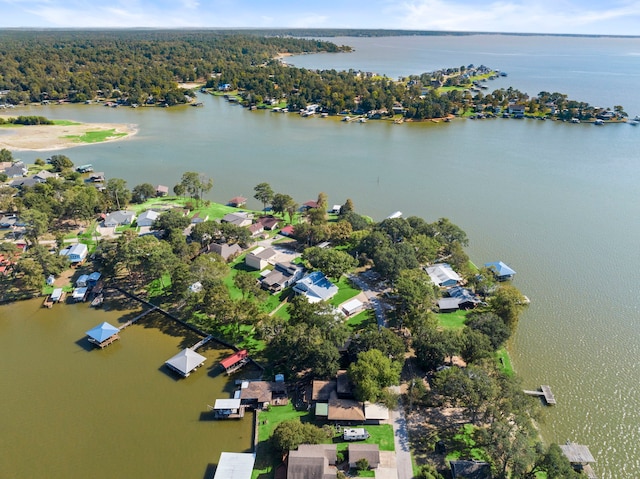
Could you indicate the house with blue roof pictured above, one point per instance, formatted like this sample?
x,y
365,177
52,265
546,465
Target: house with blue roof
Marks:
x,y
316,287
501,271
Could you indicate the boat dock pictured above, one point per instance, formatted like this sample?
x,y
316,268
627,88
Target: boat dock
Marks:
x,y
141,315
543,392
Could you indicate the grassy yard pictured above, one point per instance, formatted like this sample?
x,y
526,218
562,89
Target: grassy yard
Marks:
x,y
362,320
453,320
345,291
65,122
504,362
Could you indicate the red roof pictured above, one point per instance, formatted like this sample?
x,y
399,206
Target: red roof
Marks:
x,y
287,230
234,358
237,200
311,204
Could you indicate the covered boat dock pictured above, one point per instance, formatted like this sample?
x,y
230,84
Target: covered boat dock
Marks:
x,y
103,335
185,362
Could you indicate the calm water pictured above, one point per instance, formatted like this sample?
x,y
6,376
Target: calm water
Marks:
x,y
558,202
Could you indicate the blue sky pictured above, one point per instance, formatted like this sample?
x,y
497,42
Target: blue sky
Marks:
x,y
615,17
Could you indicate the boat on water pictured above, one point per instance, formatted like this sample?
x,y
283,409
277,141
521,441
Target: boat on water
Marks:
x,y
97,301
598,122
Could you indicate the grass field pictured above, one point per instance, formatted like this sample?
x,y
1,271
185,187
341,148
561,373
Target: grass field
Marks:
x,y
95,136
65,122
453,320
345,291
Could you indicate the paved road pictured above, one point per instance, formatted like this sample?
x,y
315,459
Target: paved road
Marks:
x,y
372,296
401,440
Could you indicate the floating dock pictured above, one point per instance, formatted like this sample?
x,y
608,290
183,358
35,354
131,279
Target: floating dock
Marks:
x,y
543,392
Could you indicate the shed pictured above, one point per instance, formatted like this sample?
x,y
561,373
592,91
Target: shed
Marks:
x,y
103,334
95,276
56,295
235,465
352,307
185,362
162,190
448,305
79,294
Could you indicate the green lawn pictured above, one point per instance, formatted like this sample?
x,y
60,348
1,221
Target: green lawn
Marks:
x,y
345,291
453,320
504,362
65,122
362,320
95,136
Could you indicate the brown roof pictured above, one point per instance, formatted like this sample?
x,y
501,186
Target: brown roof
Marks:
x,y
225,250
312,462
370,452
344,383
262,391
269,222
345,409
322,390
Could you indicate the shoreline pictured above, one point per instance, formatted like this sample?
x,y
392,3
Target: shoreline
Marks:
x,y
60,137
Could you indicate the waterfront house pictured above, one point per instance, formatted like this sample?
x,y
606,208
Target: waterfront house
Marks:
x,y
261,394
103,335
309,205
147,218
97,177
235,465
162,190
312,461
370,452
235,361
185,362
443,275
470,470
516,110
237,201
260,258
118,218
225,250
316,287
501,271
43,175
281,277
24,182
15,170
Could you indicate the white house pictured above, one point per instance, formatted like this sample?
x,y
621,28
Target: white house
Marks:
x,y
260,257
316,287
76,253
442,274
118,218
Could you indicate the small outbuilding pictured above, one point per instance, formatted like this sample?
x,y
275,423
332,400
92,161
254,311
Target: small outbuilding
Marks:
x,y
228,409
235,361
185,362
352,306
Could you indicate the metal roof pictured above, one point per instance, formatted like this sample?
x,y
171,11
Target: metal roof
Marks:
x,y
186,361
102,332
235,465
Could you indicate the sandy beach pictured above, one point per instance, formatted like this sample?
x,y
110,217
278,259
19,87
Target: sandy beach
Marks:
x,y
57,137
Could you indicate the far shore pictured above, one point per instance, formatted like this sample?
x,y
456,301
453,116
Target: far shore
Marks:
x,y
59,137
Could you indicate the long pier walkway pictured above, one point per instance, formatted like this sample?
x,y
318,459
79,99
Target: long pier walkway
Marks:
x,y
141,315
207,337
544,392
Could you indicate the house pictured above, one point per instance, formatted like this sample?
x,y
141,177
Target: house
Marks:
x,y
255,229
309,205
312,461
345,410
501,271
316,287
336,209
321,391
16,170
269,222
97,177
281,277
467,299
225,250
241,218
237,201
118,218
370,452
85,168
442,275
260,257
147,218
287,231
185,362
235,465
470,470
199,218
448,305
43,175
76,253
24,182
162,190
516,110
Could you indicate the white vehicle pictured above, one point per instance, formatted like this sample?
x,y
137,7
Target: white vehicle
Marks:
x,y
358,434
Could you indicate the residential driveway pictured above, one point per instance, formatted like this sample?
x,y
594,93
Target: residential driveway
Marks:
x,y
388,467
106,232
372,298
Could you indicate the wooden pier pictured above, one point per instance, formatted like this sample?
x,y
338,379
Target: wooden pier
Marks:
x,y
141,315
543,392
201,343
107,342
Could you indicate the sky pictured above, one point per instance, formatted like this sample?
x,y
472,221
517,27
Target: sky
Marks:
x,y
603,17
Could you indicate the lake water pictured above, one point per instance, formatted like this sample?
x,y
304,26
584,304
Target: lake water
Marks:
x,y
558,202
